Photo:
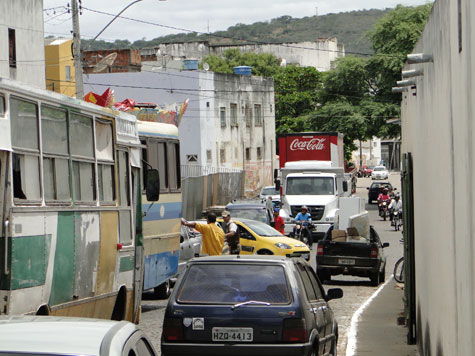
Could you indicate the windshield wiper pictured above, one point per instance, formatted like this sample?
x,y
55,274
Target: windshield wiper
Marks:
x,y
235,306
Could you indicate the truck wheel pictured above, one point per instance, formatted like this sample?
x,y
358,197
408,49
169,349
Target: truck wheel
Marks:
x,y
162,291
375,279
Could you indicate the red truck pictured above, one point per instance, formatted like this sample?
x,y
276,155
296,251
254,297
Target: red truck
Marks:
x,y
314,146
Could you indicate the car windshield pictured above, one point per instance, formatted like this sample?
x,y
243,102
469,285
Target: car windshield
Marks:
x,y
262,229
252,214
310,186
379,169
270,191
231,283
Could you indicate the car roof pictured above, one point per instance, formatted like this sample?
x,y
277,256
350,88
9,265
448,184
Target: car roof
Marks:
x,y
245,221
61,335
387,184
242,258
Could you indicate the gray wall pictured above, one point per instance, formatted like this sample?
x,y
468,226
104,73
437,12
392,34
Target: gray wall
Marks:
x,y
438,129
26,18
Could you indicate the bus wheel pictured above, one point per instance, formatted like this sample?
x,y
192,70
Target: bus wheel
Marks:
x,y
162,291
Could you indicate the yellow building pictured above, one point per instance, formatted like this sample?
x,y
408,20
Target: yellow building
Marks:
x,y
60,75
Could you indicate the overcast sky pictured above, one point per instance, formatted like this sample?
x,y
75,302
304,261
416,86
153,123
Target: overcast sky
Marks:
x,y
192,15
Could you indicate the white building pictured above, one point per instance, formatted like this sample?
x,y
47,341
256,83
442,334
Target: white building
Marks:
x,y
319,54
229,122
369,151
439,171
22,52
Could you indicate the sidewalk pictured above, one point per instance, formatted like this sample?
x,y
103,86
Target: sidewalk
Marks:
x,y
378,332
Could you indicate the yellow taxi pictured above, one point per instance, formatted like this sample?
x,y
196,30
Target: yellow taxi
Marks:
x,y
258,238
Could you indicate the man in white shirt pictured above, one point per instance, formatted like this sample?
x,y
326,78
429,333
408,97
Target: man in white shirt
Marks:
x,y
231,234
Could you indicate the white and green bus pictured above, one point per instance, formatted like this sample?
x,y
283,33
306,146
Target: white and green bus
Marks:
x,y
70,206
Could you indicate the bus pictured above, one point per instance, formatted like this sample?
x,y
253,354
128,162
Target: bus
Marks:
x,y
161,222
70,207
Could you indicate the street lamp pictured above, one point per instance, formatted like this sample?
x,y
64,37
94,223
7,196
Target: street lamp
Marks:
x,y
77,44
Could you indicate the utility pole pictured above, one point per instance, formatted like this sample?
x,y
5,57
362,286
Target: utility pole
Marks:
x,y
77,50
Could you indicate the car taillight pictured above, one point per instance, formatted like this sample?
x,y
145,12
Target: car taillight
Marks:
x,y
294,330
374,253
172,329
319,250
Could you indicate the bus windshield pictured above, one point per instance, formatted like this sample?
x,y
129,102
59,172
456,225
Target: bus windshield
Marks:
x,y
310,186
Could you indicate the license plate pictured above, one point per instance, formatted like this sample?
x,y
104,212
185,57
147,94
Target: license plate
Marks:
x,y
232,334
346,261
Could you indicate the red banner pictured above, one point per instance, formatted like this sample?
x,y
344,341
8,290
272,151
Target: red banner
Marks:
x,y
304,148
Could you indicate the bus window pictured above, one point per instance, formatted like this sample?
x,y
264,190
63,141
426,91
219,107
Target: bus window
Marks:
x,y
2,106
174,165
82,151
24,128
157,155
125,233
105,165
55,154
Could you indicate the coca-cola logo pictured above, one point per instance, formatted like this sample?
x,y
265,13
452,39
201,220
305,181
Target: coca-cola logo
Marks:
x,y
315,144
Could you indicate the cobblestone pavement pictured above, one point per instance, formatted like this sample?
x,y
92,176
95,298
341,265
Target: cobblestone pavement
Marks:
x,y
355,290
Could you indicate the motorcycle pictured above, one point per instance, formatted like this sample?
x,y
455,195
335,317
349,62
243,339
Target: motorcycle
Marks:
x,y
303,232
397,219
383,209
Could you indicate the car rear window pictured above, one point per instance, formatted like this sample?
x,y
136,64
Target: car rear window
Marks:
x,y
252,214
234,283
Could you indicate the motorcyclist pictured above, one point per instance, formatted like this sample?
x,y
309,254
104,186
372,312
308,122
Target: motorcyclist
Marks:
x,y
305,219
396,205
383,197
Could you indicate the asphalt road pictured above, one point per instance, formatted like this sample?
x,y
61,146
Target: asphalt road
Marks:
x,y
355,290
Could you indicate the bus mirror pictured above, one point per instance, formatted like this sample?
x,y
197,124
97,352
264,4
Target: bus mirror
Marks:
x,y
277,184
276,173
345,186
152,185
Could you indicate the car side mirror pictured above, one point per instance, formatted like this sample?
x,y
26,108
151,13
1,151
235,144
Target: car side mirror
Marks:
x,y
394,188
152,185
386,244
367,188
334,293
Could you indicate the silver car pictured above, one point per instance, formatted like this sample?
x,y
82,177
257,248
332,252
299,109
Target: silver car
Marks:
x,y
190,245
45,335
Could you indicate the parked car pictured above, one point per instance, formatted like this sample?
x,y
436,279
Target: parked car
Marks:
x,y
272,192
351,255
262,239
249,210
380,172
249,305
368,170
376,188
190,245
46,335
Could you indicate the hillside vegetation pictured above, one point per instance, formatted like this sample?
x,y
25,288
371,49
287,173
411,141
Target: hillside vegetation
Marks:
x,y
349,28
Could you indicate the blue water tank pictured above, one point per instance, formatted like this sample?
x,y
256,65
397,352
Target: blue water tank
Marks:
x,y
190,64
243,70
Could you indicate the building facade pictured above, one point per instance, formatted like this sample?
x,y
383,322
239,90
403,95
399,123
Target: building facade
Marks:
x,y
439,170
319,54
22,53
229,123
60,73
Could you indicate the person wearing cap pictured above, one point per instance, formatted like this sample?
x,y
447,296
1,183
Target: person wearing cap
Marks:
x,y
212,240
270,208
279,223
231,234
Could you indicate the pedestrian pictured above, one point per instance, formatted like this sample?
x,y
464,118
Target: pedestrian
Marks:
x,y
270,208
231,234
212,241
279,224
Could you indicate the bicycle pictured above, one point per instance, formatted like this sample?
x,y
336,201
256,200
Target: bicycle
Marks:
x,y
399,270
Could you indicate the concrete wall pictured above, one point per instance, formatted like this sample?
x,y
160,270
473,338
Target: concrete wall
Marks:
x,y
26,18
438,129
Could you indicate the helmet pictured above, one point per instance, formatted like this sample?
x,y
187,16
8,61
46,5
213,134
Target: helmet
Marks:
x,y
385,190
304,207
397,196
276,210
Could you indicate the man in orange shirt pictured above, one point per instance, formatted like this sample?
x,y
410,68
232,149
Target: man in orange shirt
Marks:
x,y
212,240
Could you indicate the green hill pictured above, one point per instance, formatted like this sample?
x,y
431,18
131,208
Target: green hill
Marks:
x,y
349,28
